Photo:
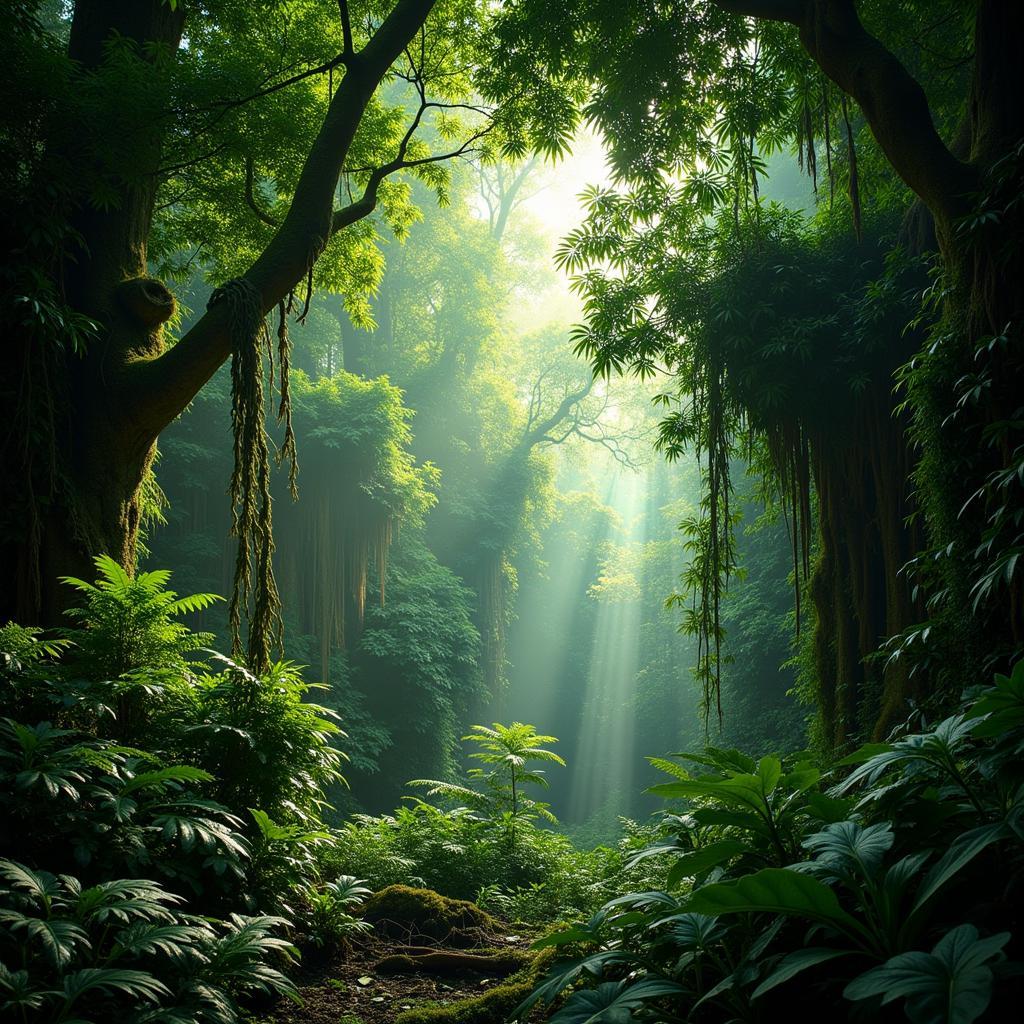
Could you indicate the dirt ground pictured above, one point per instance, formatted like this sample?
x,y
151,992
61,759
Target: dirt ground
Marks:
x,y
346,988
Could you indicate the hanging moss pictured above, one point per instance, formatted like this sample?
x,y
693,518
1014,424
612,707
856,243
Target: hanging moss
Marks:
x,y
254,594
359,481
799,380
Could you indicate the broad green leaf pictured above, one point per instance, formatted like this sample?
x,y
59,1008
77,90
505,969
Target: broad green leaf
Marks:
x,y
950,985
565,973
774,891
769,771
794,963
41,884
961,851
801,778
746,820
692,930
829,808
846,845
611,1001
739,791
707,857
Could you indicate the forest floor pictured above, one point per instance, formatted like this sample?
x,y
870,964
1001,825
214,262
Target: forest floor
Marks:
x,y
352,987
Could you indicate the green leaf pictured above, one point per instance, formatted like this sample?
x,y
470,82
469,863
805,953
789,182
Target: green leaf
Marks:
x,y
846,845
160,776
114,981
41,885
740,791
769,771
565,973
862,754
59,938
801,778
829,808
612,1001
961,851
707,857
746,820
796,962
950,985
775,891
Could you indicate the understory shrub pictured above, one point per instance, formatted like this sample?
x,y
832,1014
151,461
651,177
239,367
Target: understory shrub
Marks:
x,y
161,809
457,853
892,878
123,950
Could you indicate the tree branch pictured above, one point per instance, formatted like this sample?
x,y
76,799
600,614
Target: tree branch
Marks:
x,y
346,28
892,100
364,206
250,196
160,388
539,432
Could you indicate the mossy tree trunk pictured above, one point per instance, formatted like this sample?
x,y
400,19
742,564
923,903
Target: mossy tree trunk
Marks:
x,y
859,591
111,403
962,442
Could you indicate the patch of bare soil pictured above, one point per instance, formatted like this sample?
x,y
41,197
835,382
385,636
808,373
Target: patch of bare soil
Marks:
x,y
378,978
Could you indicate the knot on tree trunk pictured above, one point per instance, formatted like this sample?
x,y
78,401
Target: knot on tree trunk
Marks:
x,y
147,301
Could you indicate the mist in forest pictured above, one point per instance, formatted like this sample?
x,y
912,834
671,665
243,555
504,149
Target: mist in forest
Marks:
x,y
506,491
518,505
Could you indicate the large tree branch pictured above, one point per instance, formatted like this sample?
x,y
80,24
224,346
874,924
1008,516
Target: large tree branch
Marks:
x,y
538,433
160,388
367,203
892,100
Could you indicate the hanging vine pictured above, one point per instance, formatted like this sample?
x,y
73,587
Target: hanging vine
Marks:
x,y
254,594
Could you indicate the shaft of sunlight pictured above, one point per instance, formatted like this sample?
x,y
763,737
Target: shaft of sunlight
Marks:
x,y
604,768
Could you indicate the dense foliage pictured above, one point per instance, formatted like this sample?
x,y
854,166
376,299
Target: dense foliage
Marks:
x,y
901,875
303,315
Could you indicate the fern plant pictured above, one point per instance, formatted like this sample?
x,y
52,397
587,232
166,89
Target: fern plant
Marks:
x,y
284,859
131,622
499,791
122,950
85,805
329,915
266,744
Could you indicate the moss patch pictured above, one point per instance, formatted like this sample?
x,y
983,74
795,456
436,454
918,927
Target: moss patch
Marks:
x,y
493,1007
401,910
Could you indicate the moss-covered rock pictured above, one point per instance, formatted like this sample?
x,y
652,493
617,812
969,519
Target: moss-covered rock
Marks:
x,y
400,910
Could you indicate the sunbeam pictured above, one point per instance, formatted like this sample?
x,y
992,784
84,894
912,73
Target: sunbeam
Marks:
x,y
606,747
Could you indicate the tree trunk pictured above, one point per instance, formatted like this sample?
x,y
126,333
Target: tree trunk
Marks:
x,y
83,493
965,390
859,592
100,461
